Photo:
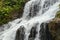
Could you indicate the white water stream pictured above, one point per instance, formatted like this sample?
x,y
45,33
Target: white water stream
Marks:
x,y
36,11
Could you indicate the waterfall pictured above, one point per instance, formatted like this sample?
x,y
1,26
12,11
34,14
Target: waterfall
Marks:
x,y
35,13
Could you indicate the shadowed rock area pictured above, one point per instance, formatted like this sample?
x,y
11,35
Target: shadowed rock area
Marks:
x,y
44,32
33,33
20,34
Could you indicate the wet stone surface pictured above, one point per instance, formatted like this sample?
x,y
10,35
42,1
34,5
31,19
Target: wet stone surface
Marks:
x,y
20,34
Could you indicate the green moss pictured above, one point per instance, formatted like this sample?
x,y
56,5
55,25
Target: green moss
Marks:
x,y
58,14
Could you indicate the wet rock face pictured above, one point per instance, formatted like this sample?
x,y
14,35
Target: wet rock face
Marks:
x,y
20,34
33,33
44,32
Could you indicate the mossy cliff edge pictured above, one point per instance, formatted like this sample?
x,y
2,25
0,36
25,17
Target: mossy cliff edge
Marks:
x,y
54,27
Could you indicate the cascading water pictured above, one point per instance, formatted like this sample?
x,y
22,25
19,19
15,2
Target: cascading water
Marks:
x,y
35,13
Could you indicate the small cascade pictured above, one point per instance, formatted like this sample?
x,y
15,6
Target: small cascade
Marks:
x,y
32,24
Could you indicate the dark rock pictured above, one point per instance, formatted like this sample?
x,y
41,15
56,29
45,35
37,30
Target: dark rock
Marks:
x,y
33,32
20,34
44,32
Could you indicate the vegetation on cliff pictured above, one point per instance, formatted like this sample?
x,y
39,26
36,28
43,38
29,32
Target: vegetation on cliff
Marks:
x,y
7,7
58,14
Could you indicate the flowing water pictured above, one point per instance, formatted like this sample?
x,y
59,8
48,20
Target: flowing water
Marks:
x,y
35,13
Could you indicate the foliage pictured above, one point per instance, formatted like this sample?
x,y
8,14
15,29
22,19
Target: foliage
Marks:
x,y
58,14
7,6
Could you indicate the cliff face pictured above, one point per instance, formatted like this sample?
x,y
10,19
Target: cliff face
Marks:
x,y
54,27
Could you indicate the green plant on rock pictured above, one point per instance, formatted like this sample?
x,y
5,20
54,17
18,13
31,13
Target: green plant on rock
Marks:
x,y
58,13
7,6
